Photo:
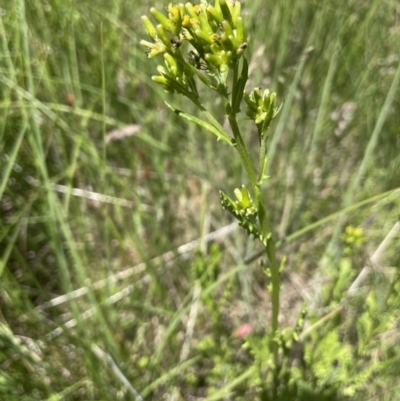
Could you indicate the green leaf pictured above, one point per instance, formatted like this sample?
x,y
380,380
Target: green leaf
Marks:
x,y
239,87
221,135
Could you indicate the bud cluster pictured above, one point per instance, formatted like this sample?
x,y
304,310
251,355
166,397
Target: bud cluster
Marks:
x,y
215,34
261,108
244,209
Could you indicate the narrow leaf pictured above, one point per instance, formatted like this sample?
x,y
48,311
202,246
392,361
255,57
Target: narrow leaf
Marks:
x,y
239,87
221,136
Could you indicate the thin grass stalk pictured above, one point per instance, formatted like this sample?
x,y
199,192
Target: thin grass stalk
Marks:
x,y
367,159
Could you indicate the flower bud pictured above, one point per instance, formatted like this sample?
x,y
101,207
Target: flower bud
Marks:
x,y
239,30
227,28
233,40
153,48
149,27
163,36
163,20
160,79
234,8
216,61
223,68
226,12
171,64
227,43
186,22
174,14
203,37
214,14
268,100
190,23
215,48
162,70
192,10
250,103
205,26
257,96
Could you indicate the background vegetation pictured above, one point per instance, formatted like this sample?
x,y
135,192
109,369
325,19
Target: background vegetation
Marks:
x,y
116,280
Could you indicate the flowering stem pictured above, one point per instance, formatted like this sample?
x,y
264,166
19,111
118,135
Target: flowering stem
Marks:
x,y
218,43
264,224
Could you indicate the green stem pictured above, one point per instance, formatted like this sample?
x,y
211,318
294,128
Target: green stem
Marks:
x,y
271,252
234,84
265,227
262,215
270,246
263,161
275,292
241,147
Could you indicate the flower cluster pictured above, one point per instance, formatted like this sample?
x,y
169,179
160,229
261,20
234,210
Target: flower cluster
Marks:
x,y
215,33
352,238
244,209
261,108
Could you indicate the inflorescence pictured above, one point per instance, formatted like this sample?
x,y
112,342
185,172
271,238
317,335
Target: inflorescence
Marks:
x,y
216,38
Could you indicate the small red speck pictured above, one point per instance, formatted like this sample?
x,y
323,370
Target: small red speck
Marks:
x,y
243,330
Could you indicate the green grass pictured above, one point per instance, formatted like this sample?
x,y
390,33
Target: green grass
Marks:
x,y
70,73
